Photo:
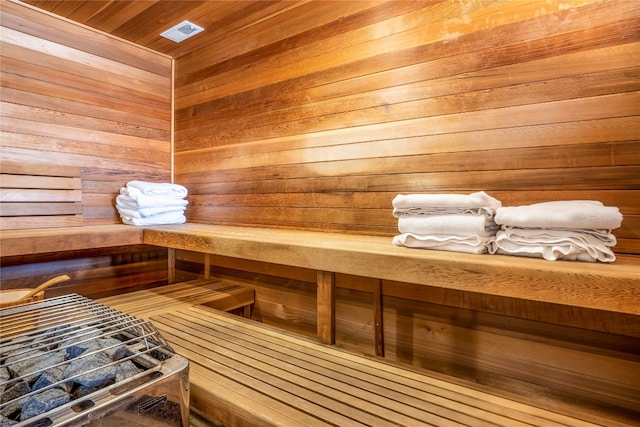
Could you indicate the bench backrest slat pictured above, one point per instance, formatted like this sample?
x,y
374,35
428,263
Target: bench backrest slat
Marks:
x,y
38,196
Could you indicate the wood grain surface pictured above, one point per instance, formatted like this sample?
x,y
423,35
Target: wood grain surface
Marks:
x,y
75,97
319,126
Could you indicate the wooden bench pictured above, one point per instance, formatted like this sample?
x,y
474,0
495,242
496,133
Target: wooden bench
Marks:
x,y
610,287
215,293
244,373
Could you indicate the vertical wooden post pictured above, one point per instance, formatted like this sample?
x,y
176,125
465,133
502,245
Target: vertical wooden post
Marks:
x,y
377,317
207,266
171,265
326,307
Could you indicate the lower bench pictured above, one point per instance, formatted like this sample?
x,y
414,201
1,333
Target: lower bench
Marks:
x,y
214,293
244,373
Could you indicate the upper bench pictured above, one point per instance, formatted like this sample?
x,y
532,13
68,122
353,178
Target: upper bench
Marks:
x,y
42,240
612,287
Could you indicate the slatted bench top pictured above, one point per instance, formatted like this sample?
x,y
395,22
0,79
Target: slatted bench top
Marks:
x,y
612,287
247,373
216,293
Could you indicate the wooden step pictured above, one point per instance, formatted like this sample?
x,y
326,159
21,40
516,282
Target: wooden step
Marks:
x,y
215,293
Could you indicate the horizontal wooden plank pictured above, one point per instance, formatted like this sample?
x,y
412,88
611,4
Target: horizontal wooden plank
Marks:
x,y
332,219
39,195
43,169
39,181
19,242
586,178
40,209
628,201
28,222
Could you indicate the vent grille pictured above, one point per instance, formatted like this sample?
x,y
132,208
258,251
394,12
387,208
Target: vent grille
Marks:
x,y
182,31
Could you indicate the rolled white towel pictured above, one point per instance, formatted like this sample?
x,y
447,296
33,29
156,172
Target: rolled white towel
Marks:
x,y
572,214
555,244
158,189
420,204
147,212
162,219
454,224
467,244
137,200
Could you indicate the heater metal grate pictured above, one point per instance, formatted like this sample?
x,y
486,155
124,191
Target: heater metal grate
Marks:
x,y
89,361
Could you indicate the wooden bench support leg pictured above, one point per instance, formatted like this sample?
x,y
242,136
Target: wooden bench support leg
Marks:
x,y
377,317
171,267
207,266
246,311
326,307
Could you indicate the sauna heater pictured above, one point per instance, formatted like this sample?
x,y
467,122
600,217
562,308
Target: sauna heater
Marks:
x,y
71,361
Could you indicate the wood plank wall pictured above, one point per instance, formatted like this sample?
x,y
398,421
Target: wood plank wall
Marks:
x,y
315,117
320,123
74,97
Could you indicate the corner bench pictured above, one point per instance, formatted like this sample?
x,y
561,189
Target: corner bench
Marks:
x,y
245,373
610,287
214,293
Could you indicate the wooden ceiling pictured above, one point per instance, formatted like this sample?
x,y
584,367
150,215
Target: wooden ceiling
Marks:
x,y
142,21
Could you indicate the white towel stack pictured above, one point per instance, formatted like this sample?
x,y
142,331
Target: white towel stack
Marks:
x,y
578,230
448,222
152,203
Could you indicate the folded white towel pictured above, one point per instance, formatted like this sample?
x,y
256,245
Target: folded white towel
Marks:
x,y
147,212
454,224
438,204
573,214
137,200
158,189
554,244
467,244
162,219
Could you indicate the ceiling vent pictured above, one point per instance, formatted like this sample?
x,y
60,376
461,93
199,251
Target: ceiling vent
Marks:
x,y
182,31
